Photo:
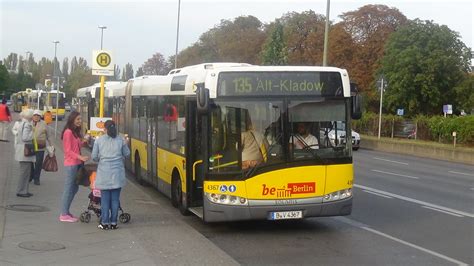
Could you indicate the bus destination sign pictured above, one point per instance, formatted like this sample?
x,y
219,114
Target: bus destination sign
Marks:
x,y
280,84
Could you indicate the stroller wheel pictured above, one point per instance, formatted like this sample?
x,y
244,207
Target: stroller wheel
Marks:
x,y
88,217
85,217
124,218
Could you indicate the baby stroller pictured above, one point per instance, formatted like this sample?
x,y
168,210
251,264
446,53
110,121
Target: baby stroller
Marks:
x,y
94,205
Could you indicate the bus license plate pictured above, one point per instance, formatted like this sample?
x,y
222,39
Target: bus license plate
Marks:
x,y
286,215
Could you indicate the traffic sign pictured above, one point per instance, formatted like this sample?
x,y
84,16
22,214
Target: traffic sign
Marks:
x,y
400,112
102,63
448,109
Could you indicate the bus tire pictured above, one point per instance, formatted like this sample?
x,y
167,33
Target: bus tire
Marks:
x,y
138,169
178,198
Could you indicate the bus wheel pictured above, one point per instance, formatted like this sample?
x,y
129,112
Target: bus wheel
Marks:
x,y
138,169
178,198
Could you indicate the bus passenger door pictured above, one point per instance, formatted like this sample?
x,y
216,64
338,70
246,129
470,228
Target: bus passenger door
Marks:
x,y
194,169
152,137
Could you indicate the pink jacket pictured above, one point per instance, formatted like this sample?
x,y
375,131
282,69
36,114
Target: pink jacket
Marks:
x,y
72,148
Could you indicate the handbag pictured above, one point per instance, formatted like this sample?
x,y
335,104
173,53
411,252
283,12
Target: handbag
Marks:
x,y
50,164
29,148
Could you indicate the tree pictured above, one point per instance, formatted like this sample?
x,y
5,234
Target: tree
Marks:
x,y
82,63
238,40
370,26
275,51
116,75
127,72
156,65
11,62
56,68
45,70
73,64
4,79
423,63
465,95
65,68
140,72
304,37
341,48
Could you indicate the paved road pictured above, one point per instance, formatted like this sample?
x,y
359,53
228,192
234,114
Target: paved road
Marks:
x,y
407,211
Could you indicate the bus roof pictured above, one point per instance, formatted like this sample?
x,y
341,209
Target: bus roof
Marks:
x,y
181,81
82,92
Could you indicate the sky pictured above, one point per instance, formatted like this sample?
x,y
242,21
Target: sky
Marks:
x,y
138,29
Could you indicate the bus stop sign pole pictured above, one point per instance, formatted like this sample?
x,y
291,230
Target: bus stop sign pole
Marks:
x,y
102,81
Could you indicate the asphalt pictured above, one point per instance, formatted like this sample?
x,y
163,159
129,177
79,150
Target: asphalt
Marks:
x,y
156,234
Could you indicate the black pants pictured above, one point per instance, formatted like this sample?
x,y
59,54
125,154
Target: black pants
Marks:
x,y
37,167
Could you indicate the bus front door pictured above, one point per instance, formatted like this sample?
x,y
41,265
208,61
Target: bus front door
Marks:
x,y
194,169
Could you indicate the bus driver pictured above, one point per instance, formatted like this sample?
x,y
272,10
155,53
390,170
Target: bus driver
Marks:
x,y
304,139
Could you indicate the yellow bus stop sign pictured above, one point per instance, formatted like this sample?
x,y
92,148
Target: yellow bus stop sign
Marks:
x,y
102,63
103,59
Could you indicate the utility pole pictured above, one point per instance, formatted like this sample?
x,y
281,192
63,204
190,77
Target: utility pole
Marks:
x,y
102,35
57,89
177,37
381,103
326,35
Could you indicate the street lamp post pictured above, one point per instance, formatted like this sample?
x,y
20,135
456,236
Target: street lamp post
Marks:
x,y
177,37
326,35
381,103
102,35
57,89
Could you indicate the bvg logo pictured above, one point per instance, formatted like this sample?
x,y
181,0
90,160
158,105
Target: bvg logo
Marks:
x,y
289,190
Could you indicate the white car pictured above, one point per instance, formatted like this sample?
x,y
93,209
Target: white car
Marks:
x,y
341,136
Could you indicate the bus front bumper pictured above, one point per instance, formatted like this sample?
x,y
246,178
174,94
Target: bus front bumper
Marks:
x,y
220,213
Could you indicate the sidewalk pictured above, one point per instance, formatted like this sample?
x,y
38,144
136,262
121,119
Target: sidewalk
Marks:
x,y
156,234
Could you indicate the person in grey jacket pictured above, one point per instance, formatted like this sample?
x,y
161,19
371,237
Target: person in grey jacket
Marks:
x,y
110,150
24,136
42,138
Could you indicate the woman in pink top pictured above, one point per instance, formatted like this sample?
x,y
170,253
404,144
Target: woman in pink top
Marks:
x,y
72,143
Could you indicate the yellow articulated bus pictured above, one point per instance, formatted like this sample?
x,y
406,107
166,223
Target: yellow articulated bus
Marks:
x,y
53,101
231,141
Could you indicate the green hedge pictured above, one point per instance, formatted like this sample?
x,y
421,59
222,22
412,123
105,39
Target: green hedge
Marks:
x,y
434,128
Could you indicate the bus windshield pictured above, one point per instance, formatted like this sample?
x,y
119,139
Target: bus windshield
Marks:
x,y
49,99
250,133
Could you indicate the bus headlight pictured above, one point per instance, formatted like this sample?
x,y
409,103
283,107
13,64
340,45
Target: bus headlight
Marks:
x,y
338,195
226,199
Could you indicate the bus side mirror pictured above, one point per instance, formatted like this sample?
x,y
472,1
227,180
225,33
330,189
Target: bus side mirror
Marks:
x,y
202,98
356,112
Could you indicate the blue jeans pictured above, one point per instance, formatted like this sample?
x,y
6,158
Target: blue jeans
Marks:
x,y
38,166
70,188
109,205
